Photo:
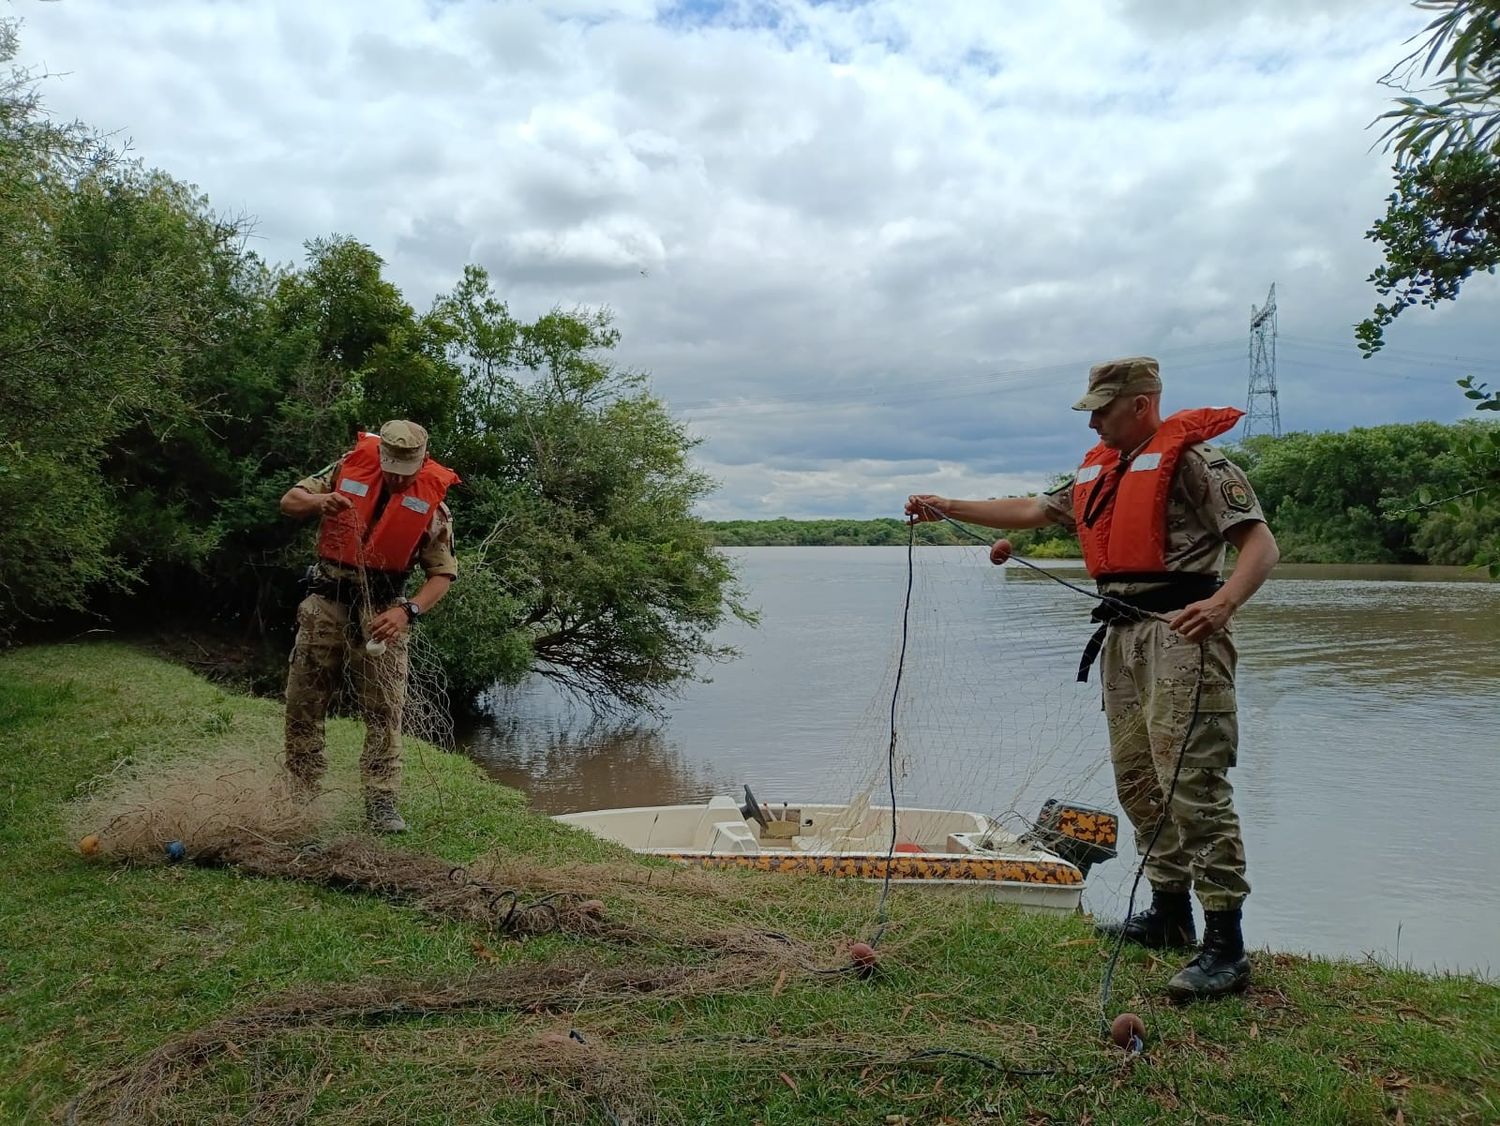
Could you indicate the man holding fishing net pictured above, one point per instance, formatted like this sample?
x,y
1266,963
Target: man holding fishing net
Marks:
x,y
1153,507
382,513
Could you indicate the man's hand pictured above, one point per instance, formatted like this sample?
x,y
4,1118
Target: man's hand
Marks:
x,y
388,625
925,508
1201,620
299,503
330,504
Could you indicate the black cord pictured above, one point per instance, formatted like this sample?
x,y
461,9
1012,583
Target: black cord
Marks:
x,y
1134,613
890,757
1107,984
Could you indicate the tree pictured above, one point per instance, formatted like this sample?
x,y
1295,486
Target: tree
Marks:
x,y
106,272
304,359
1442,221
584,561
1379,494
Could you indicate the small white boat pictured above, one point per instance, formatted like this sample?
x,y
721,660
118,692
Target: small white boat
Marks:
x,y
1042,870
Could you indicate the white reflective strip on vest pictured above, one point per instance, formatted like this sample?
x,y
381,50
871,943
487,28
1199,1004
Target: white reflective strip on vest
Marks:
x,y
416,504
357,488
1087,473
1145,462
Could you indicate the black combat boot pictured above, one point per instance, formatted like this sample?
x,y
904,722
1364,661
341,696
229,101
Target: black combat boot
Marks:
x,y
381,815
1167,922
1221,967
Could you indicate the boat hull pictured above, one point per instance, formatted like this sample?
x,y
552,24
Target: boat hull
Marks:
x,y
963,851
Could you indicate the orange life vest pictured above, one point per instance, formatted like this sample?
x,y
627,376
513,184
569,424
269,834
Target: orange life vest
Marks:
x,y
1122,510
392,543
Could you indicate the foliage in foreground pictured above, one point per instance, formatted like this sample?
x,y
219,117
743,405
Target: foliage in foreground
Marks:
x,y
1442,221
162,387
104,965
1367,495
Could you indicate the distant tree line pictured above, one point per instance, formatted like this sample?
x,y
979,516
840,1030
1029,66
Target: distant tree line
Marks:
x,y
883,532
1409,492
162,386
1402,493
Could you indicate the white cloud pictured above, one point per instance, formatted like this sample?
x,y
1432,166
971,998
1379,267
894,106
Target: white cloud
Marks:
x,y
859,241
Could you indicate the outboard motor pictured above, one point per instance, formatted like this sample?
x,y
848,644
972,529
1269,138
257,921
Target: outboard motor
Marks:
x,y
1083,835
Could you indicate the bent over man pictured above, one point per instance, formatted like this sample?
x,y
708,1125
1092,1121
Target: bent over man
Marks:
x,y
1154,506
382,513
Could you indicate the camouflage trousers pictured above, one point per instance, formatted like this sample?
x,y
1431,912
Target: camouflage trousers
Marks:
x,y
329,644
1151,679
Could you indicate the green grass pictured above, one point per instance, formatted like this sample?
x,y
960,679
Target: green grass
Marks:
x,y
100,964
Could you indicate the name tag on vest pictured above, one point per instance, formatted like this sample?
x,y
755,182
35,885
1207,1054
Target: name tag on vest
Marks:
x,y
356,488
416,504
1087,473
1145,462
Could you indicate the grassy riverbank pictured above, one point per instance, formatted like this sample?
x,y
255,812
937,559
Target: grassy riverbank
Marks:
x,y
103,964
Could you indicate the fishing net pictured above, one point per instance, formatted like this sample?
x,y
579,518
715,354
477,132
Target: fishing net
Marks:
x,y
195,806
988,715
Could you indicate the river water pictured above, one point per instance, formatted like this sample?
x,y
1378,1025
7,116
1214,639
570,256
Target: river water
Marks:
x,y
1369,769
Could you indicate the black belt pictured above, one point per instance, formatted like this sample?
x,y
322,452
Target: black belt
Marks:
x,y
1183,589
379,587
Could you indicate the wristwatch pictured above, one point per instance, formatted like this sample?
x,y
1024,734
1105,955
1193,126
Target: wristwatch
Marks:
x,y
413,611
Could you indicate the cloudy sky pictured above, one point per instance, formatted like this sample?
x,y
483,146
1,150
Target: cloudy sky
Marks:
x,y
864,249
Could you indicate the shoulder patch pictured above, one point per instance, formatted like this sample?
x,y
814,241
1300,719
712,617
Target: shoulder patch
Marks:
x,y
1236,496
1211,455
1061,487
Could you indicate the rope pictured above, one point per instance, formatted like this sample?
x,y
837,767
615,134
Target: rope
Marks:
x,y
1132,612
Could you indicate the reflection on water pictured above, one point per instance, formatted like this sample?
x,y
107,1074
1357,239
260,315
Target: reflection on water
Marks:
x,y
566,759
1370,716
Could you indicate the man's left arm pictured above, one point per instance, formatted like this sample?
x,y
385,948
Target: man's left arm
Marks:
x,y
1224,500
1258,554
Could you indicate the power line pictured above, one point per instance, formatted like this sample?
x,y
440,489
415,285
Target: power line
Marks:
x,y
1186,358
952,387
1396,354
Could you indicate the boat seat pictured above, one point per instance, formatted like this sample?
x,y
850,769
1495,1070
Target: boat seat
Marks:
x,y
732,838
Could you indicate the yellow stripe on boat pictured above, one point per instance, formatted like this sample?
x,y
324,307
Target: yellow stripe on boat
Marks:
x,y
872,866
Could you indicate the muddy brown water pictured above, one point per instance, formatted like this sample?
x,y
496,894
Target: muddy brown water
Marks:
x,y
1369,772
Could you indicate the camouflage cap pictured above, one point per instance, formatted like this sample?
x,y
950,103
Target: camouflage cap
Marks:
x,y
1135,375
403,447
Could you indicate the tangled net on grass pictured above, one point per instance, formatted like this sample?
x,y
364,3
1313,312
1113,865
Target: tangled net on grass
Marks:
x,y
239,814
291,1037
428,883
134,1093
207,806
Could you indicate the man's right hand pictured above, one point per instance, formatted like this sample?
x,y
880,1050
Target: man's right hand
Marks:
x,y
924,508
331,504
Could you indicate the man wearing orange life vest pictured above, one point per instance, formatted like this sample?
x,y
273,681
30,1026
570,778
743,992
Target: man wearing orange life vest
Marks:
x,y
1154,506
382,513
